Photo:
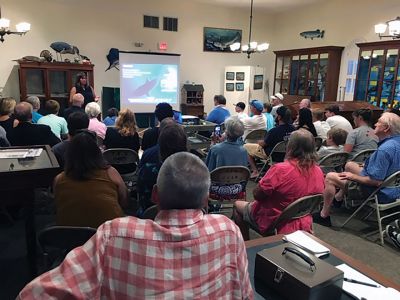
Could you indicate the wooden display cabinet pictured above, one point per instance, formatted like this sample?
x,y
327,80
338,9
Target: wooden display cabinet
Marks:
x,y
378,74
310,72
51,80
192,100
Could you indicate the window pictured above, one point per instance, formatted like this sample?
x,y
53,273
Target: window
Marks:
x,y
170,24
151,22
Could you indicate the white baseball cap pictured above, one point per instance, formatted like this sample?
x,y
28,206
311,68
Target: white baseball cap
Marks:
x,y
277,96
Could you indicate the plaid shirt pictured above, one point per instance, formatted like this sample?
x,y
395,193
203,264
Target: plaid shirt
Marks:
x,y
184,254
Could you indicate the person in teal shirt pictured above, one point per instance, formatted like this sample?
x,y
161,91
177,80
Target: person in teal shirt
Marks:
x,y
35,102
268,116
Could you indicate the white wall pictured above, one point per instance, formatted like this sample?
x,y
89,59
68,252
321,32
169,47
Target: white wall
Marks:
x,y
95,26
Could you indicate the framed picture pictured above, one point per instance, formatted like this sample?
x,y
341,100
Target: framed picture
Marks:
x,y
230,75
239,86
219,39
230,87
240,76
258,82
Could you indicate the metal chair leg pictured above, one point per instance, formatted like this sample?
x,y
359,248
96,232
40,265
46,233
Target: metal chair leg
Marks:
x,y
378,215
354,213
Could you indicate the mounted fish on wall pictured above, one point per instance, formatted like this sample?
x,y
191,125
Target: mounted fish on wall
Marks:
x,y
313,34
113,58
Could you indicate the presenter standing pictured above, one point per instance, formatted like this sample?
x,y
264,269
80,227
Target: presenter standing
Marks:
x,y
82,87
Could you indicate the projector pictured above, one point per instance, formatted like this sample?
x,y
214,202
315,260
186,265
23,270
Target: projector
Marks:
x,y
190,120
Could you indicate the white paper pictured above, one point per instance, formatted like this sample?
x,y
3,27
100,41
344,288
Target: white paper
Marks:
x,y
363,291
13,153
302,240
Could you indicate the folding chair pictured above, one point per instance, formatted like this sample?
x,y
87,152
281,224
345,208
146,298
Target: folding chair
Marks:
x,y
333,162
393,181
318,142
298,209
62,239
277,155
150,213
255,136
362,156
228,184
125,161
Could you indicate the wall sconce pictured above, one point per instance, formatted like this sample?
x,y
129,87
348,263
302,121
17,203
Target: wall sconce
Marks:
x,y
22,28
394,29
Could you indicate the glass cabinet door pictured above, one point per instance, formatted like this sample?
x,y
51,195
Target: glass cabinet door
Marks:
x,y
362,77
35,82
303,75
294,74
389,77
312,75
58,84
396,95
375,72
321,77
282,74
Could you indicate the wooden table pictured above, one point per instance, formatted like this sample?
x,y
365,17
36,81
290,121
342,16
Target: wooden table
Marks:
x,y
354,263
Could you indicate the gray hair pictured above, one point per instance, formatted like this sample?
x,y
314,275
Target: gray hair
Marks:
x,y
34,101
78,99
301,147
92,109
183,182
234,128
307,102
392,120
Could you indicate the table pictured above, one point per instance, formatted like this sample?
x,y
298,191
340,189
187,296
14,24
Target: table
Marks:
x,y
19,177
352,262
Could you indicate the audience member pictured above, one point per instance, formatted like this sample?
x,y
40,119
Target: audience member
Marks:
x,y
220,112
393,231
35,102
362,137
57,124
382,163
150,137
7,106
283,184
26,133
83,87
320,125
277,101
230,152
76,121
184,253
93,111
268,116
336,138
305,103
3,138
172,139
305,121
88,192
112,115
124,134
239,108
257,121
76,105
273,137
335,120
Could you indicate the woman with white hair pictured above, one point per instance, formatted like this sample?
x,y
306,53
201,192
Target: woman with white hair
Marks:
x,y
92,109
230,152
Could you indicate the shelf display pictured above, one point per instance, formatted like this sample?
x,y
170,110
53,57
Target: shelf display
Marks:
x,y
192,100
310,72
378,80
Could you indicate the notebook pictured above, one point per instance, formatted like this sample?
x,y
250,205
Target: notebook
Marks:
x,y
302,240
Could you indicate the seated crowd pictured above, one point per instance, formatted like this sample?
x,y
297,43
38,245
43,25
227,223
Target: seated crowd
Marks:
x,y
90,192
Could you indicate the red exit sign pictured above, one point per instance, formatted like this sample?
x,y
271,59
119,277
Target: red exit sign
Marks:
x,y
162,45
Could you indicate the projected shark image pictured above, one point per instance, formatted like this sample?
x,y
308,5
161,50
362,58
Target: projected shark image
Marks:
x,y
150,83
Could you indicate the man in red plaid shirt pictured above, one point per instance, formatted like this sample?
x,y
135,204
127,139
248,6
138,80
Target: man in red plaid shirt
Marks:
x,y
183,254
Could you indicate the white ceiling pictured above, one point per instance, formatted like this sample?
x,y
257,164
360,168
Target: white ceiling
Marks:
x,y
270,5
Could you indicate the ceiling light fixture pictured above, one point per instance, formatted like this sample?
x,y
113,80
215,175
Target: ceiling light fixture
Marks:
x,y
251,47
394,29
22,28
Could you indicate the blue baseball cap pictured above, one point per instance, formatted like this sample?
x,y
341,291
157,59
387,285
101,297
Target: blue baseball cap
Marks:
x,y
257,105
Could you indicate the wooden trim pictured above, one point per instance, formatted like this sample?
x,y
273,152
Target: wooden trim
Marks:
x,y
379,44
304,51
354,263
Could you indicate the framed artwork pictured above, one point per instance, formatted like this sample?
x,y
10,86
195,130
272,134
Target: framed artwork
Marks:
x,y
219,39
230,75
230,87
239,86
258,82
240,76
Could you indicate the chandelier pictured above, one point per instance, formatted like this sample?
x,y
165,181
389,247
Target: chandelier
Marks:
x,y
21,28
251,47
394,29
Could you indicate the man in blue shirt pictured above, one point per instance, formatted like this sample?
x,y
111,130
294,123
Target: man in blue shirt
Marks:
x,y
381,164
220,112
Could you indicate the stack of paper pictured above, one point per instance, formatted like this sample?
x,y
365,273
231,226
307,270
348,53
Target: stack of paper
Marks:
x,y
302,240
361,291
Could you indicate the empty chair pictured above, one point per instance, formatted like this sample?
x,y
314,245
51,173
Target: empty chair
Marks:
x,y
393,181
333,162
228,184
277,155
255,136
62,239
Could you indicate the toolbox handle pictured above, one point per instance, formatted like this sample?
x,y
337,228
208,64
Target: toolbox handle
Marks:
x,y
301,255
